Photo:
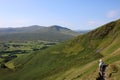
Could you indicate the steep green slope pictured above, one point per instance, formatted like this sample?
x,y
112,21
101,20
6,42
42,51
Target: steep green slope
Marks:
x,y
106,40
72,60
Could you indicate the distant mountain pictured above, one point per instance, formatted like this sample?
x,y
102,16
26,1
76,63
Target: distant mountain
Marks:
x,y
21,29
35,32
83,31
58,28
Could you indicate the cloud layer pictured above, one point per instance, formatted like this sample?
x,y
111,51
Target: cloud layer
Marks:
x,y
112,14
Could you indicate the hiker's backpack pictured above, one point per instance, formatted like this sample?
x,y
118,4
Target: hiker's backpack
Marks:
x,y
101,65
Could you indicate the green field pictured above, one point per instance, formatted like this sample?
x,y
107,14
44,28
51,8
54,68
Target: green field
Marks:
x,y
12,50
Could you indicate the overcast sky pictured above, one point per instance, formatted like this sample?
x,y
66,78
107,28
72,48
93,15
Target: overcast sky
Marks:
x,y
73,14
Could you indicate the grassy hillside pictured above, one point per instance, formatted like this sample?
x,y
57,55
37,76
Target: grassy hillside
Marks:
x,y
76,59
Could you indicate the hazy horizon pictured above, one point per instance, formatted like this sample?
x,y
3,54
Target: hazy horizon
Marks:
x,y
73,14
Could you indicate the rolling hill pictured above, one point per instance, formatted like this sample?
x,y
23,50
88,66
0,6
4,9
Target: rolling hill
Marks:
x,y
76,59
35,32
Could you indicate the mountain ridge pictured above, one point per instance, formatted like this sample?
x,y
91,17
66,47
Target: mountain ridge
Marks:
x,y
10,29
36,32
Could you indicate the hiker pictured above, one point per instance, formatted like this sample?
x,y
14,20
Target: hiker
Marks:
x,y
101,65
102,68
